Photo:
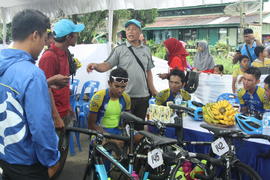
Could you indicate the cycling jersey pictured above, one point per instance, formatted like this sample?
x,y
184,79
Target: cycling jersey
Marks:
x,y
161,99
165,95
99,104
254,102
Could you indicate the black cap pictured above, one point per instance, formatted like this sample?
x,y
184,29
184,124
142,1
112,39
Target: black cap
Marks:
x,y
248,31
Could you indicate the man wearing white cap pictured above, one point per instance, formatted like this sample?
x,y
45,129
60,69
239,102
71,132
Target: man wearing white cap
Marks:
x,y
57,60
134,57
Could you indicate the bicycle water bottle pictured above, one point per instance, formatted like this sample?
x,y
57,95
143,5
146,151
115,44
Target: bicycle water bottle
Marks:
x,y
266,123
152,100
178,99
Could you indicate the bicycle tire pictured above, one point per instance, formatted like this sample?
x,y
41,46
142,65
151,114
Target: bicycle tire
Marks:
x,y
238,168
140,165
91,175
63,147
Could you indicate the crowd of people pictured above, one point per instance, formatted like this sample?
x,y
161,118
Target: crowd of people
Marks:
x,y
35,100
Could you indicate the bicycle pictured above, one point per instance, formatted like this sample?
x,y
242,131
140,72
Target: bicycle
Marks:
x,y
95,168
233,167
148,143
152,141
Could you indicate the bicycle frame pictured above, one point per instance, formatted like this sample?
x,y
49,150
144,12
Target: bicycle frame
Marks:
x,y
97,152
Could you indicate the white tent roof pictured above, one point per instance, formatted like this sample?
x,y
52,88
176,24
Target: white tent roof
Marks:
x,y
53,7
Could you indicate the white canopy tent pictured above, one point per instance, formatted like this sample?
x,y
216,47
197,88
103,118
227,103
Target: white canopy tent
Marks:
x,y
53,8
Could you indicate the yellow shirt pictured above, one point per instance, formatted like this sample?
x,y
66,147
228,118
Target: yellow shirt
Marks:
x,y
237,72
260,63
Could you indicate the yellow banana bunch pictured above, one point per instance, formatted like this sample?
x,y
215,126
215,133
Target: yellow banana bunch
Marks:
x,y
221,112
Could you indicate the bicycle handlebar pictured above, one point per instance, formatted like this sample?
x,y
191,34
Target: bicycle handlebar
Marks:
x,y
130,118
178,107
96,133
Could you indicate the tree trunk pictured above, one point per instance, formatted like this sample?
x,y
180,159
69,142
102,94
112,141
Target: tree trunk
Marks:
x,y
115,27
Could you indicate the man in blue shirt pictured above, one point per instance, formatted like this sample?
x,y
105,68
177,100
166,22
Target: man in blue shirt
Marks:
x,y
250,43
28,142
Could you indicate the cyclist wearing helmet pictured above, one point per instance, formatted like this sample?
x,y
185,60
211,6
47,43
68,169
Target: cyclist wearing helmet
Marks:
x,y
252,97
176,83
107,104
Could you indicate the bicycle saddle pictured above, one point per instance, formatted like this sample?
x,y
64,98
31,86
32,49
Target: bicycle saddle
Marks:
x,y
157,140
218,131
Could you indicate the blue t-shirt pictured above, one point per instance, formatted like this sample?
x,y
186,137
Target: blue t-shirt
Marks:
x,y
243,51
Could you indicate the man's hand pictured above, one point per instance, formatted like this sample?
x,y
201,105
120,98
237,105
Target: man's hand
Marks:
x,y
91,67
52,170
58,122
58,81
154,92
163,75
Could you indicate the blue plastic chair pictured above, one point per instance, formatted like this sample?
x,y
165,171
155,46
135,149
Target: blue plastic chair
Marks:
x,y
73,89
82,106
74,83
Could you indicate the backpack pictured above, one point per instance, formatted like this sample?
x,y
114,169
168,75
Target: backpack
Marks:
x,y
71,62
192,81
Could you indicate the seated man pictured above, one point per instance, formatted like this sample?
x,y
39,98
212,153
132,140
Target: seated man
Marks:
x,y
107,104
252,97
267,91
176,83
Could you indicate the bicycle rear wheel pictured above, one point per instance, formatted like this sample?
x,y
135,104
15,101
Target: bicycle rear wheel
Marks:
x,y
63,147
141,165
241,171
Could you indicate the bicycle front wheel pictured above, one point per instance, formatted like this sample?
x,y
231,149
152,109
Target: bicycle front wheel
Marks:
x,y
241,171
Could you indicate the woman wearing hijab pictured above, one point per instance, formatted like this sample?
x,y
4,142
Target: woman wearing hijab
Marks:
x,y
203,60
176,54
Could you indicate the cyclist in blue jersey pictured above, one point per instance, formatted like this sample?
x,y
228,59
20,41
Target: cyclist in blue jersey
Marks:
x,y
252,97
28,142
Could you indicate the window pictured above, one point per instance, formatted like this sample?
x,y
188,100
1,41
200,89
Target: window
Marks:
x,y
232,37
223,34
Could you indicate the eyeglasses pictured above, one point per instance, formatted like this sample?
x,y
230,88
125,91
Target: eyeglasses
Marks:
x,y
119,79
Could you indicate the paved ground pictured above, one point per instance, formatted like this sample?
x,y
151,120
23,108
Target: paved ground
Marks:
x,y
75,165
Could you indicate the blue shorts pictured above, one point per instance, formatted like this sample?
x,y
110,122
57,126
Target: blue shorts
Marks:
x,y
116,131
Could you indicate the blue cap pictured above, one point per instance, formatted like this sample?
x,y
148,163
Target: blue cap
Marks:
x,y
135,22
65,27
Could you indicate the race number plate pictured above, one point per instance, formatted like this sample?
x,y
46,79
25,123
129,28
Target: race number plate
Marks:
x,y
155,158
220,146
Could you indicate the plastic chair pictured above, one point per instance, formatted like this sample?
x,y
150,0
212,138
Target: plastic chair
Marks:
x,y
73,89
82,106
74,83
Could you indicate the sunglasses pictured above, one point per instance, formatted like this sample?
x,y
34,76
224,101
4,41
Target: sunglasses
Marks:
x,y
119,79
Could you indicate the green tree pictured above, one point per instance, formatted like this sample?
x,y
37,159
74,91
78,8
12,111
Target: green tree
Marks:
x,y
144,16
91,22
8,36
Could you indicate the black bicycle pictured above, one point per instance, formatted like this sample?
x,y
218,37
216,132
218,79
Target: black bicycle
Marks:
x,y
231,167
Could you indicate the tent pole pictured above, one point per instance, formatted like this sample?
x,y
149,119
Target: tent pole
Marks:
x,y
110,25
4,30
